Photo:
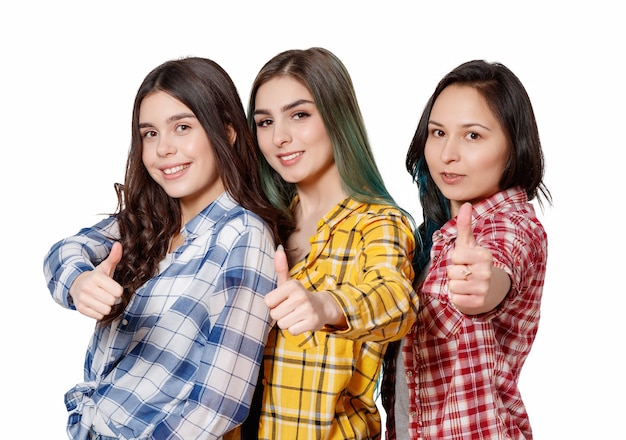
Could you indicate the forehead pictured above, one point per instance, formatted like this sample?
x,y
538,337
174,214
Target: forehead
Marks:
x,y
461,102
280,91
161,103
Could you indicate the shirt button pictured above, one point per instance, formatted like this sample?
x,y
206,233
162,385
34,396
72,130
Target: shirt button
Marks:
x,y
124,321
409,373
413,414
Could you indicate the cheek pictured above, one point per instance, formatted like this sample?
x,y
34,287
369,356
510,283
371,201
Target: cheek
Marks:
x,y
491,169
264,139
496,164
316,133
146,156
430,155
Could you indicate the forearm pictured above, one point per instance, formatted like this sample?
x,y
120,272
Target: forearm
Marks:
x,y
380,304
70,257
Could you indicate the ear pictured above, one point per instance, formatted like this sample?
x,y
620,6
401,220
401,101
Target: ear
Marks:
x,y
232,134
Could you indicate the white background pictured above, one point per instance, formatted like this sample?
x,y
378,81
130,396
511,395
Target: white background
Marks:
x,y
69,72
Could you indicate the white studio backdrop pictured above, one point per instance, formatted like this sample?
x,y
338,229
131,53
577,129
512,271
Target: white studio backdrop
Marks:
x,y
69,74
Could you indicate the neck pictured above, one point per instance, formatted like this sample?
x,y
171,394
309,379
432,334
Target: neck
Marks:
x,y
320,195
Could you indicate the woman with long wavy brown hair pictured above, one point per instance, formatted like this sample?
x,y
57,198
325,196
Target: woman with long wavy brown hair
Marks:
x,y
176,277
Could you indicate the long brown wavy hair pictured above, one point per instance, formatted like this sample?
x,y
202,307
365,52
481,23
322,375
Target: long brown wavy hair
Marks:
x,y
147,216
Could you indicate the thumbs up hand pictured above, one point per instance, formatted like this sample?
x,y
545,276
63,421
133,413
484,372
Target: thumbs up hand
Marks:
x,y
470,275
296,309
95,292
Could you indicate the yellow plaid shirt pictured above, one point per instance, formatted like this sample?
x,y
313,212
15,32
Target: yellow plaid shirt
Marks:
x,y
321,385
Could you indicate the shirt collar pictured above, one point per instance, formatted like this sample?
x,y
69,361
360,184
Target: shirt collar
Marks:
x,y
340,211
209,216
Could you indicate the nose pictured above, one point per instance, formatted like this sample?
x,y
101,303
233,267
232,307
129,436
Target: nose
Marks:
x,y
281,135
165,147
450,151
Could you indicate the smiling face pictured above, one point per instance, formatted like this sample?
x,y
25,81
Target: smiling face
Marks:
x,y
291,133
177,153
467,149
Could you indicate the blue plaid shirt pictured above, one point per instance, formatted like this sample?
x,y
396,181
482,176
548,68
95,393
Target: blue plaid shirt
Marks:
x,y
183,359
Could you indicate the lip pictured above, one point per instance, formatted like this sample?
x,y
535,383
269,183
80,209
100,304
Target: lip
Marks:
x,y
451,178
290,158
175,170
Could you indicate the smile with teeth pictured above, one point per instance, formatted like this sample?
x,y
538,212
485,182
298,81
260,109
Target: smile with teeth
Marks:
x,y
175,169
291,156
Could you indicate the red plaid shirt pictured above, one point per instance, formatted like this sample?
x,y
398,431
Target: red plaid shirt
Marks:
x,y
462,371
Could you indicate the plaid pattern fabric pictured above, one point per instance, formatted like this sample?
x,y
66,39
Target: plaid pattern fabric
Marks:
x,y
183,359
321,385
462,371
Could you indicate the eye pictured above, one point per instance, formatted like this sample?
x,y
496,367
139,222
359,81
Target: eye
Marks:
x,y
182,127
437,133
472,136
263,123
148,134
300,115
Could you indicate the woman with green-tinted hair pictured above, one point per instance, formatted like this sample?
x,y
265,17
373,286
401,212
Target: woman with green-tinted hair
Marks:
x,y
344,281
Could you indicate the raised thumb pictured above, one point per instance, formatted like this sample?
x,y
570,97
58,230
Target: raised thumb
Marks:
x,y
281,265
109,263
465,236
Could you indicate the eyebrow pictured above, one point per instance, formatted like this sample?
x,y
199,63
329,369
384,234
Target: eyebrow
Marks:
x,y
173,118
468,125
284,108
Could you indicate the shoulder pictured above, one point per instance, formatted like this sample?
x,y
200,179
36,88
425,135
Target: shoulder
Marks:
x,y
508,213
516,238
373,212
513,221
379,220
231,214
